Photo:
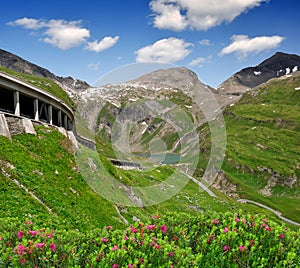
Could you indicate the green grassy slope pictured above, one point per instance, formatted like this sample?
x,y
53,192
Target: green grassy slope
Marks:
x,y
263,145
46,167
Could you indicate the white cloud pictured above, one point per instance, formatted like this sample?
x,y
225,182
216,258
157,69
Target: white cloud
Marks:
x,y
104,44
242,45
198,14
28,23
165,50
204,42
64,34
199,62
94,66
169,16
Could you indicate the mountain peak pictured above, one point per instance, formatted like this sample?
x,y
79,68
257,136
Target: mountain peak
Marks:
x,y
276,66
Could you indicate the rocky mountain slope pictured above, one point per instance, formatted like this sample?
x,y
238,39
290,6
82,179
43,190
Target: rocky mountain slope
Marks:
x,y
16,63
276,66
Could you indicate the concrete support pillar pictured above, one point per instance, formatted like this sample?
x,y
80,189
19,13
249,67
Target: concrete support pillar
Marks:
x,y
59,119
50,121
66,122
36,109
17,103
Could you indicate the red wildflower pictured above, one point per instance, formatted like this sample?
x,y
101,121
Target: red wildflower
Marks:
x,y
252,242
52,247
20,234
171,254
164,228
22,261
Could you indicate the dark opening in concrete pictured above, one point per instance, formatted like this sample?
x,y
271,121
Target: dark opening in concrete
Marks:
x,y
26,106
6,100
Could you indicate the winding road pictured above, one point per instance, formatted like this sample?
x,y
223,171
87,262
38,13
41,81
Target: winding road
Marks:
x,y
277,213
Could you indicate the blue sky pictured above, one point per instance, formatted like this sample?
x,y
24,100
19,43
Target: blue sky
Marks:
x,y
87,39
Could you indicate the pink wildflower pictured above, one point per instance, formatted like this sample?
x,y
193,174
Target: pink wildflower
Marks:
x,y
281,236
115,248
22,261
21,249
150,227
50,235
130,265
40,245
225,230
115,265
157,246
215,221
108,227
52,247
244,220
268,228
133,230
164,228
126,237
104,240
33,233
226,248
171,254
236,219
155,217
242,248
20,234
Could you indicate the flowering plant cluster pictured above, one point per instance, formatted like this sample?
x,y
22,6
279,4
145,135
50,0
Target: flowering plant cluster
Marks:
x,y
172,240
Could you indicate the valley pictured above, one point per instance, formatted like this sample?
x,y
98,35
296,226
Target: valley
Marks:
x,y
200,154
